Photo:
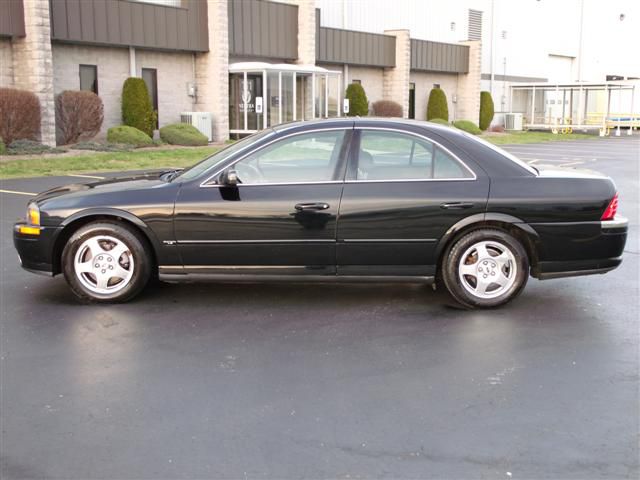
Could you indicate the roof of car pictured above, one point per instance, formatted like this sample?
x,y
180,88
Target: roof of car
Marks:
x,y
378,121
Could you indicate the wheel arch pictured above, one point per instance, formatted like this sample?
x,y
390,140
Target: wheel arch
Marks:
x,y
71,224
515,226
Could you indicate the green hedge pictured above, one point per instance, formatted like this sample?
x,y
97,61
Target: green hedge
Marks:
x,y
486,110
358,102
183,134
128,135
468,126
440,121
137,110
3,148
437,105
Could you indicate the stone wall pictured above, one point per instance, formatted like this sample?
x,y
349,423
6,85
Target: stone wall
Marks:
x,y
469,85
174,71
372,80
113,70
212,71
396,79
424,83
32,64
6,63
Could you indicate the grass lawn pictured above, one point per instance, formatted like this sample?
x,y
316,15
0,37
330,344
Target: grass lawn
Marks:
x,y
102,162
532,137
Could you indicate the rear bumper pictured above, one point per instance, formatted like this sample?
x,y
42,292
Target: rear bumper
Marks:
x,y
35,251
570,250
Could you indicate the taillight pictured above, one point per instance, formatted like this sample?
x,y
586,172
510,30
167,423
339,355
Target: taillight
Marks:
x,y
612,208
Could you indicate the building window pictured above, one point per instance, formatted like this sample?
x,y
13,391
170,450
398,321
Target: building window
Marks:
x,y
356,81
150,77
475,25
436,85
89,78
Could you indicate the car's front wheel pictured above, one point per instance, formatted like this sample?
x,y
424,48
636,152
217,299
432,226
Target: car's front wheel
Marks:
x,y
485,268
106,262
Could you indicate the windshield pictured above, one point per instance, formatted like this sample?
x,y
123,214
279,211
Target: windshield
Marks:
x,y
221,155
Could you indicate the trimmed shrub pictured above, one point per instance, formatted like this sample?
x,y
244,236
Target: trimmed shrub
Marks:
x,y
468,126
3,148
19,115
129,136
79,116
437,105
182,134
486,110
137,111
387,108
31,147
358,102
440,121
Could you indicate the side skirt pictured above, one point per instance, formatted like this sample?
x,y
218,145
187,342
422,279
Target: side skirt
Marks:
x,y
170,275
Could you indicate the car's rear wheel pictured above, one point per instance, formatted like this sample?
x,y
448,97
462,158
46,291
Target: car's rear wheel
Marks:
x,y
485,268
106,262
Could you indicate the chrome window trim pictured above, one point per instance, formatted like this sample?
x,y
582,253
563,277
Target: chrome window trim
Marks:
x,y
204,184
428,139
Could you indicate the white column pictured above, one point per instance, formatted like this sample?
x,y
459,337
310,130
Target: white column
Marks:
x,y
396,79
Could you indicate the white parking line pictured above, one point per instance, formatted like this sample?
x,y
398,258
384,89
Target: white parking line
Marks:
x,y
18,193
84,176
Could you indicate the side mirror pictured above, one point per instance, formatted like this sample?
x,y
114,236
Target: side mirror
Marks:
x,y
230,178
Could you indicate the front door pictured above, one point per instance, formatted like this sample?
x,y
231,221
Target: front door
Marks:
x,y
402,193
281,218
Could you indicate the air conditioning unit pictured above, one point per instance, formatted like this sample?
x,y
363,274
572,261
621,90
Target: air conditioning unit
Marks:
x,y
513,121
203,121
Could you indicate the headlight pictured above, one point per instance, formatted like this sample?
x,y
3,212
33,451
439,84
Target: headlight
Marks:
x,y
33,214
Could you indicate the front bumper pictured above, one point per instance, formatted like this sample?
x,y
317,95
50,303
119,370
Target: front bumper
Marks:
x,y
35,251
582,249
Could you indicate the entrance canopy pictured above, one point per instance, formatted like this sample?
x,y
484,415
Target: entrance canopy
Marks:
x,y
264,94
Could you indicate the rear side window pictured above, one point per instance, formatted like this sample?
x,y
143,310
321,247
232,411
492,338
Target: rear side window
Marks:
x,y
397,156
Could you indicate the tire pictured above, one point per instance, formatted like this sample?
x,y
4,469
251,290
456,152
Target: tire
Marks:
x,y
485,268
106,262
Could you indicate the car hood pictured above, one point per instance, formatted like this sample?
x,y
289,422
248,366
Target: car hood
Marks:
x,y
147,179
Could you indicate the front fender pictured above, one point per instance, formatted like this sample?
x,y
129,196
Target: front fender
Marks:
x,y
115,213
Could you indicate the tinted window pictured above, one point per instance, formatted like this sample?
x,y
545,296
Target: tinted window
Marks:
x,y
310,157
398,156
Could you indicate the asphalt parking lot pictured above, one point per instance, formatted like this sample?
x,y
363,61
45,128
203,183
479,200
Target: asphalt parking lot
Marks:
x,y
331,381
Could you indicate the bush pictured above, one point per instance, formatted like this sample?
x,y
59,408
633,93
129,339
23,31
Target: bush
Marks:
x,y
440,121
31,147
358,102
19,115
137,111
3,148
468,126
437,105
79,115
129,136
182,134
486,110
387,108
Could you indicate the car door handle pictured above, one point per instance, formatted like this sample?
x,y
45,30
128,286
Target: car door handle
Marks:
x,y
303,207
456,205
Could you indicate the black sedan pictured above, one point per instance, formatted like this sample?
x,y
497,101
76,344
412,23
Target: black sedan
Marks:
x,y
331,200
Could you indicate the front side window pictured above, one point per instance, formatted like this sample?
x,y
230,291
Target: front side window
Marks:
x,y
309,157
398,156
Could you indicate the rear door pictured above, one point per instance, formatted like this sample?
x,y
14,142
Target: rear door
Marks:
x,y
403,191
